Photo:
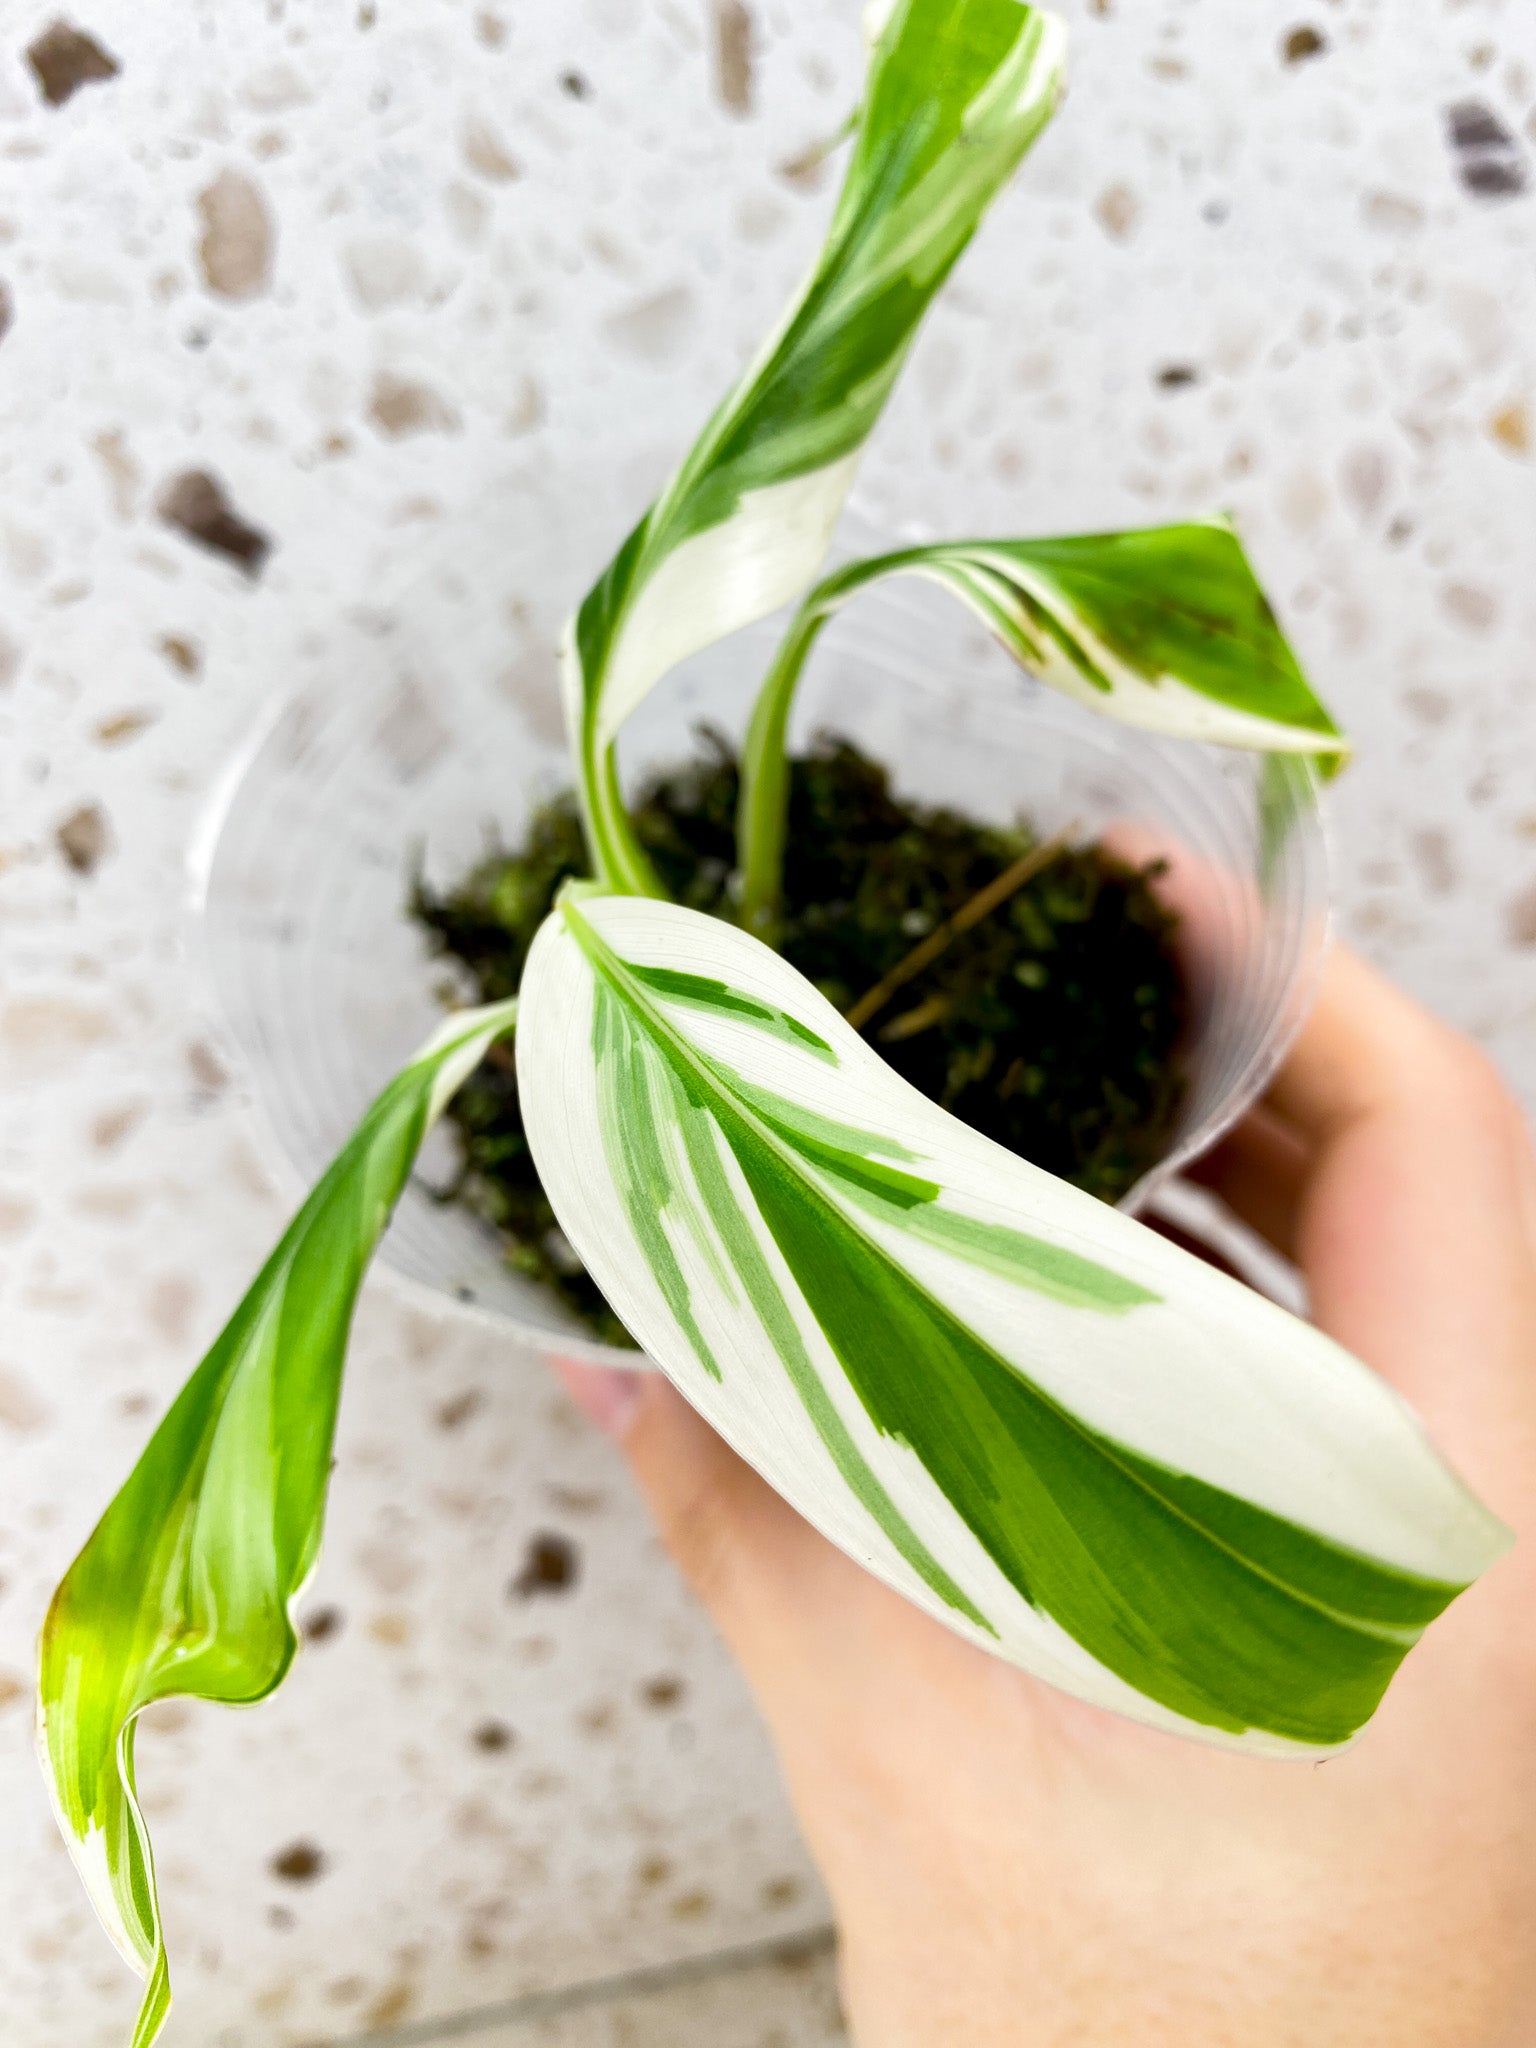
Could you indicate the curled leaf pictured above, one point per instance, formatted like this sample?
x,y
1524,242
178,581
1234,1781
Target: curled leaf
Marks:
x,y
957,91
1054,1430
1166,628
186,1585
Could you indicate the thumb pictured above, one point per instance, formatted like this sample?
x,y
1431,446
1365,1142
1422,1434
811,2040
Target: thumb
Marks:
x,y
739,1545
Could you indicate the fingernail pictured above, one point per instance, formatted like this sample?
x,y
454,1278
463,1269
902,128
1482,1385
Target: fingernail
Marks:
x,y
610,1398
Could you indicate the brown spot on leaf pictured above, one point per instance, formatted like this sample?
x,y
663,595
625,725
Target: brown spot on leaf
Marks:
x,y
236,246
64,58
195,504
83,838
493,1737
299,1863
550,1565
1488,158
735,35
1301,43
1520,918
320,1626
662,1692
399,407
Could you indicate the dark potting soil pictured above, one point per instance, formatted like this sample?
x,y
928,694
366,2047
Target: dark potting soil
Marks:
x,y
1050,1025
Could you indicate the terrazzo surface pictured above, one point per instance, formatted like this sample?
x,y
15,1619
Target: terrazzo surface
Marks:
x,y
307,313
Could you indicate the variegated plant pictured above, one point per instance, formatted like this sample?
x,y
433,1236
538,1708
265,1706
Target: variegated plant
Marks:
x,y
1065,1438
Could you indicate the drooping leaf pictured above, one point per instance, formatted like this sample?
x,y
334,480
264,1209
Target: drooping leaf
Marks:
x,y
1167,629
187,1583
1057,1432
957,91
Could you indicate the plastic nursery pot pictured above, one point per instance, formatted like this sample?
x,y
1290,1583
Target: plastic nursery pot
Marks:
x,y
325,986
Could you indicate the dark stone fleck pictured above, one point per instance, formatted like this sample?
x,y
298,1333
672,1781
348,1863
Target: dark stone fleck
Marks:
x,y
320,1626
1302,43
83,838
1177,376
1489,160
1495,177
550,1566
493,1737
64,58
662,1692
1476,126
299,1863
7,310
195,504
575,85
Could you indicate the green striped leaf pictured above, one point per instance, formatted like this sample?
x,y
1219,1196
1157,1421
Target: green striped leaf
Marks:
x,y
1167,629
187,1583
957,91
1045,1424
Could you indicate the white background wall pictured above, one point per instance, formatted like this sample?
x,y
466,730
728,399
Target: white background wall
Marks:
x,y
390,272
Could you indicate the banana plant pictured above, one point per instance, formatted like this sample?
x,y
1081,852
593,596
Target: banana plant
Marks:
x,y
1065,1438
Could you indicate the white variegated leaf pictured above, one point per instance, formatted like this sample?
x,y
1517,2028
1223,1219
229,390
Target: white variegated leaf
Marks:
x,y
957,90
1062,1435
1166,628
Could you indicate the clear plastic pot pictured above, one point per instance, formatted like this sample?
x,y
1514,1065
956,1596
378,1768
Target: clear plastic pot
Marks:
x,y
324,986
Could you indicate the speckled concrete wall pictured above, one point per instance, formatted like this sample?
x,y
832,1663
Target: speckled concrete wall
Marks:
x,y
303,310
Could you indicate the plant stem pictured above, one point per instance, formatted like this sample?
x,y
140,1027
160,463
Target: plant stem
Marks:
x,y
762,808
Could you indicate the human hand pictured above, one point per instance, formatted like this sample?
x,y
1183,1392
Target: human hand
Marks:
x,y
1011,1868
